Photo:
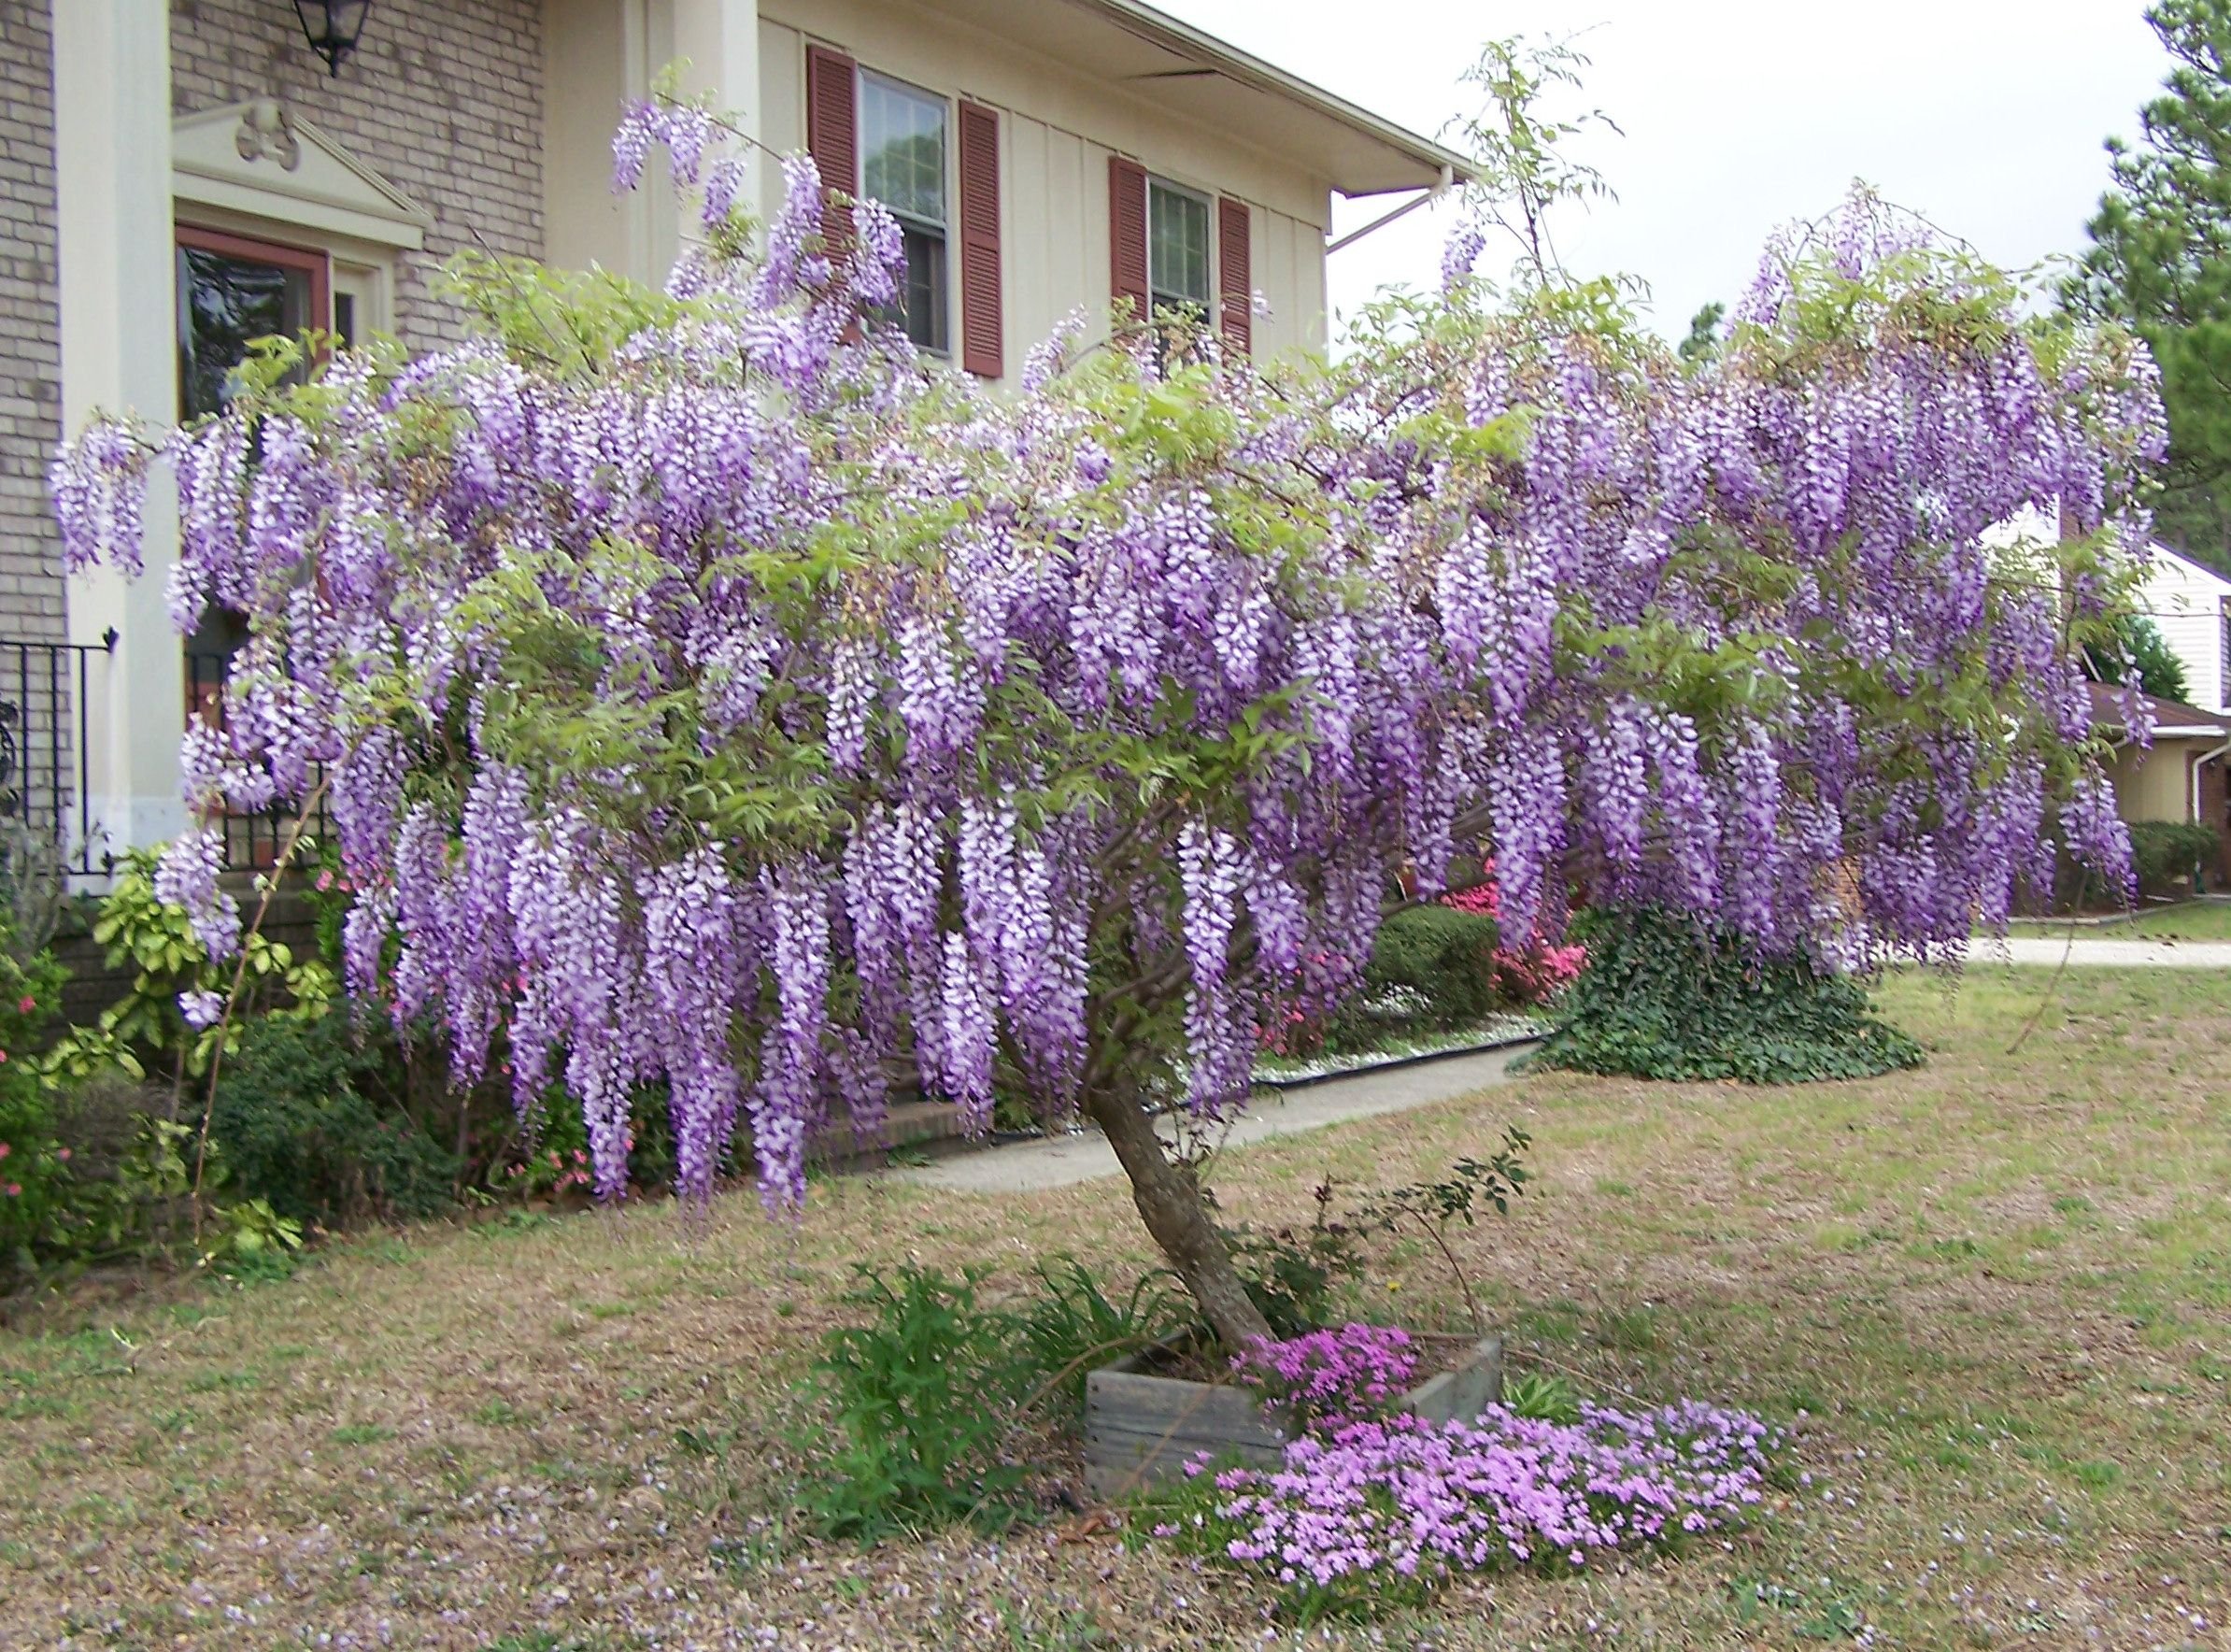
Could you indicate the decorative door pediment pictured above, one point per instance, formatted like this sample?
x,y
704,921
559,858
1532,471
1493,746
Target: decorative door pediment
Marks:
x,y
258,158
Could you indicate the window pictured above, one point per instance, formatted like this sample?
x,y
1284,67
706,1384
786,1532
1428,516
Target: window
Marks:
x,y
903,164
1178,249
232,290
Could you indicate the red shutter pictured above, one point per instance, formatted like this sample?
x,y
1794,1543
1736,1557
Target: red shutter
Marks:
x,y
1237,280
982,338
1126,235
833,135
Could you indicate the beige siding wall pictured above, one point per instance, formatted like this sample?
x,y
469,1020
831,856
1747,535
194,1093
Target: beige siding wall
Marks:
x,y
444,99
1056,131
30,326
2156,784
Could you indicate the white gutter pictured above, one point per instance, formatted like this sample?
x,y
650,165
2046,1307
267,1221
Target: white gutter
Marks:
x,y
1423,198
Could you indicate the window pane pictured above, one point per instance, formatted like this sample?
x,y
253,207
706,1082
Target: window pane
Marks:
x,y
1177,246
925,294
903,149
223,304
921,309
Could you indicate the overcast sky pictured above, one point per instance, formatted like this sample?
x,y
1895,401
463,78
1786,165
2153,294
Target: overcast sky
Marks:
x,y
1986,115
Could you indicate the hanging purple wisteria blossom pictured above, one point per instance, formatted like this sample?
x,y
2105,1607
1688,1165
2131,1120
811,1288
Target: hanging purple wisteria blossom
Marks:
x,y
727,697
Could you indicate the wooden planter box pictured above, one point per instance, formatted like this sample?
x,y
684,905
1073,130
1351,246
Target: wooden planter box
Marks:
x,y
1141,1428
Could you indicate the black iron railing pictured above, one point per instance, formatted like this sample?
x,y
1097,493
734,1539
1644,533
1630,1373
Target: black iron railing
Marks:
x,y
48,695
44,761
252,842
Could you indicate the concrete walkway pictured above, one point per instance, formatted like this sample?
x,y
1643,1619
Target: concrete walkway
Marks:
x,y
1058,1160
2091,952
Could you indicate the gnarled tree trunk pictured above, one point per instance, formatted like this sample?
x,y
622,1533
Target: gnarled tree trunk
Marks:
x,y
1170,1203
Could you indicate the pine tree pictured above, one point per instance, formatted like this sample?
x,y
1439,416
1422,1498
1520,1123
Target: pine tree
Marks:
x,y
2161,261
1703,341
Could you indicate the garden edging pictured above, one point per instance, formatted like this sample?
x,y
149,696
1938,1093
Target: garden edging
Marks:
x,y
1392,1064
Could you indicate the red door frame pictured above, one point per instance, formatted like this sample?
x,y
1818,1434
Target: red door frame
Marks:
x,y
318,265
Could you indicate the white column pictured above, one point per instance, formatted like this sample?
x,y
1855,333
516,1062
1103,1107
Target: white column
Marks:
x,y
720,38
119,355
596,54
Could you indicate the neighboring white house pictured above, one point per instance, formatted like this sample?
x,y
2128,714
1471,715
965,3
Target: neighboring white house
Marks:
x,y
2192,605
181,175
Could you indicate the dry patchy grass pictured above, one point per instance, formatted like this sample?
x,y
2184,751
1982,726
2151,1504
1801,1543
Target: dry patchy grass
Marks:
x,y
1997,1291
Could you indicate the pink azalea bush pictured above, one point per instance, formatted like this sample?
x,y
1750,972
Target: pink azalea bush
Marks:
x,y
33,1165
1534,972
1369,1506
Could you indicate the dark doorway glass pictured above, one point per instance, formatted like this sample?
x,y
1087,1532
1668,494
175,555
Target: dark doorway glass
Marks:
x,y
226,301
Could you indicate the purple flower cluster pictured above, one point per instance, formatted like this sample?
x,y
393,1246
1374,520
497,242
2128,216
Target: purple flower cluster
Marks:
x,y
1373,1504
774,714
202,1010
1352,1370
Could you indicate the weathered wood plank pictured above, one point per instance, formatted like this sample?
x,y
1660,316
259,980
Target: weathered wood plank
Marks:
x,y
1149,1437
1463,1391
1128,1399
1141,1428
1114,1464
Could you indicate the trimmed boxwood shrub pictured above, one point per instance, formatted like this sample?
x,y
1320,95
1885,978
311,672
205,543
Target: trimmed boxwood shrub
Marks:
x,y
1662,999
1443,956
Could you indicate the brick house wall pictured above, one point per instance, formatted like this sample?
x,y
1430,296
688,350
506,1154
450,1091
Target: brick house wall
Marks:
x,y
30,326
443,98
2215,811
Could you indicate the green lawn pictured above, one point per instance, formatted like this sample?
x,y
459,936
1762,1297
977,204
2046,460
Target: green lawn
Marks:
x,y
2193,920
1994,1295
2197,920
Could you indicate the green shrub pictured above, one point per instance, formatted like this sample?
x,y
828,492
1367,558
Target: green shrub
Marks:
x,y
2138,642
1658,1000
548,1153
1441,957
2164,851
128,1198
1071,1327
1541,1397
1294,1275
922,1397
303,1125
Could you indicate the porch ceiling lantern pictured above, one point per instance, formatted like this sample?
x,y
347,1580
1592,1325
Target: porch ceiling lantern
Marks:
x,y
331,27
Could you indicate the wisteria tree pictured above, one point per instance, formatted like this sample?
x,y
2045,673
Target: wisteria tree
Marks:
x,y
712,692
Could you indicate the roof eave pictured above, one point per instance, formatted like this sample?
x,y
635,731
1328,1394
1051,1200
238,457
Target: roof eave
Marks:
x,y
2213,576
1185,40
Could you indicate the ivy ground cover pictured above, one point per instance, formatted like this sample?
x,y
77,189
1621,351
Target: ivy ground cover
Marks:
x,y
1988,1297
